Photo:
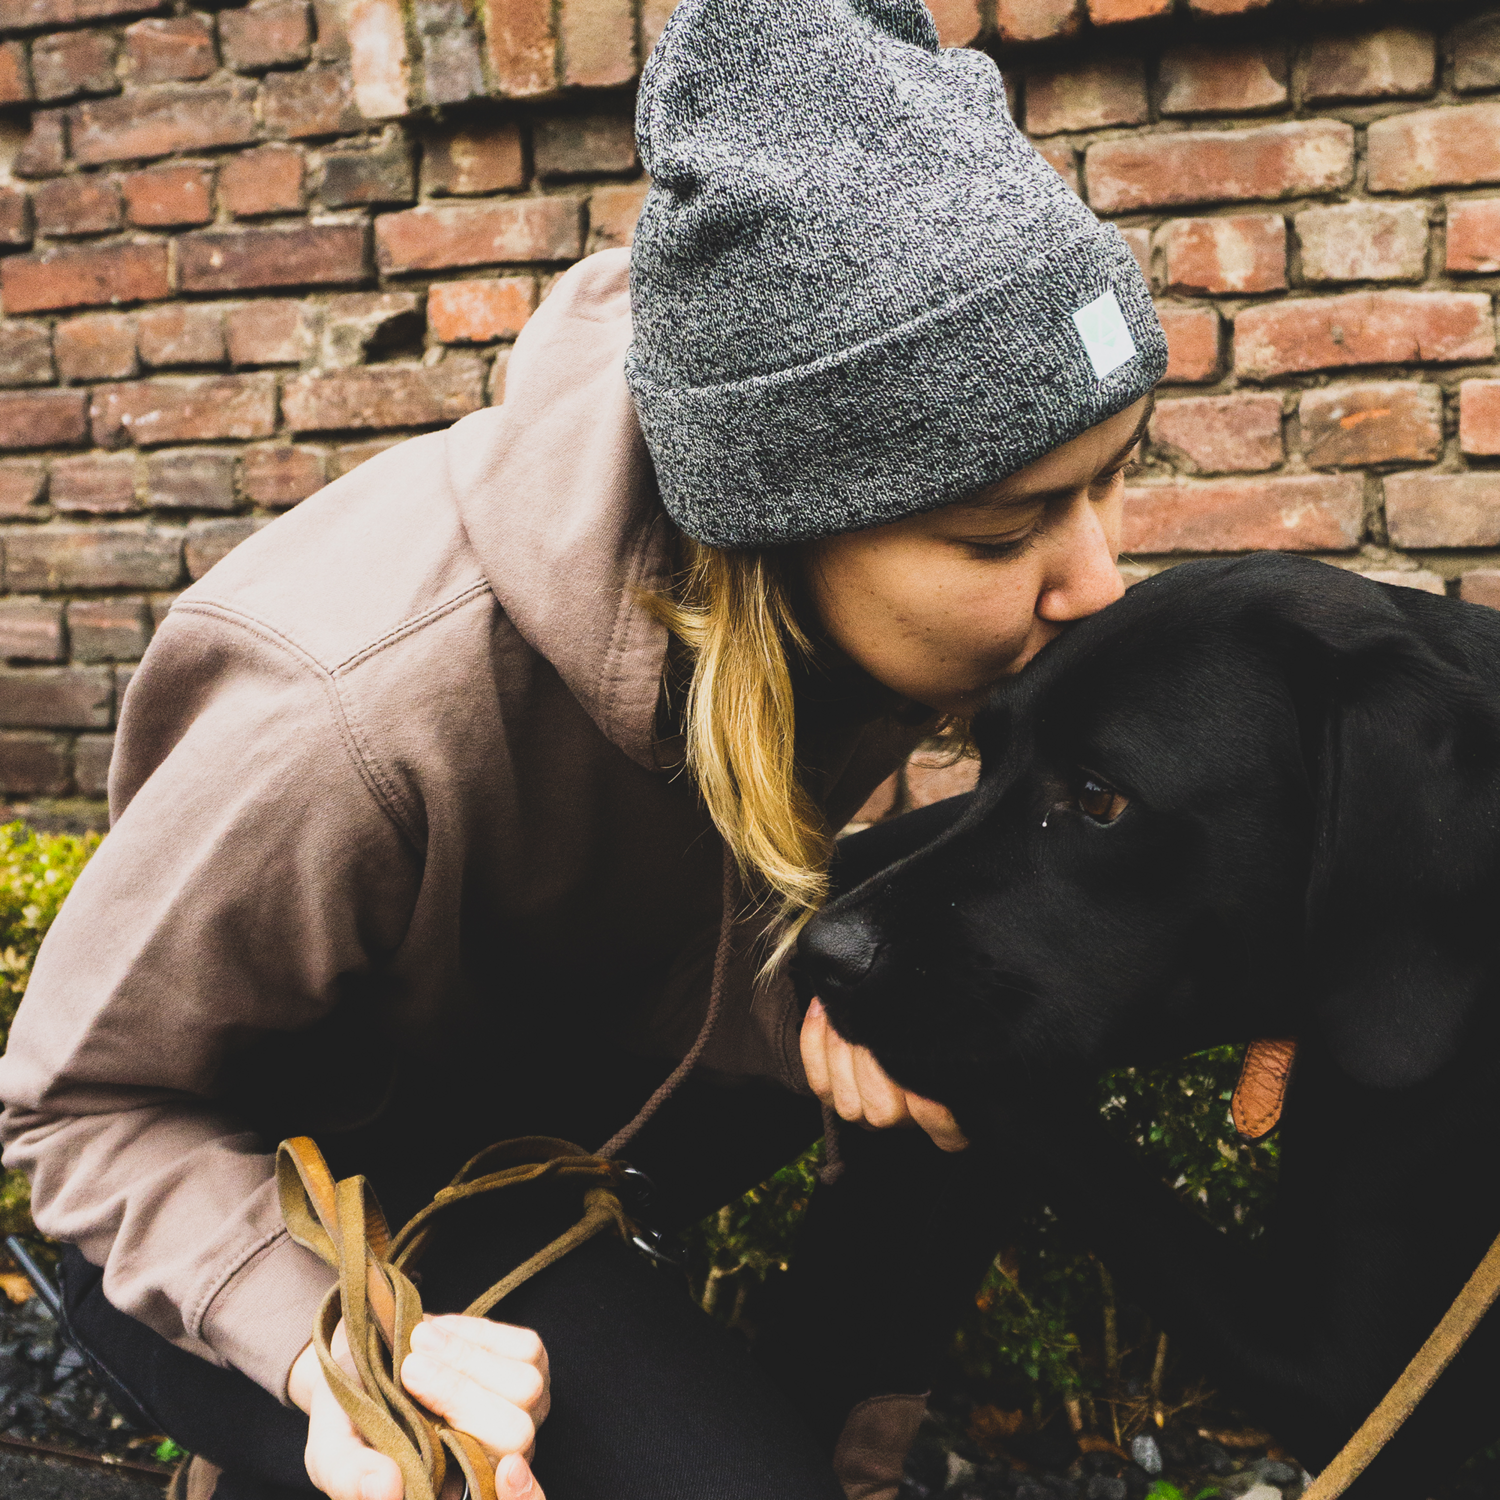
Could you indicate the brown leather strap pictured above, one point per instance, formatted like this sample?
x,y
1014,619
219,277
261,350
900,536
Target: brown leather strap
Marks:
x,y
1261,1091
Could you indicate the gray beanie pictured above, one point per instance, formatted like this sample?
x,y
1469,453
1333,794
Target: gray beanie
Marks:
x,y
858,291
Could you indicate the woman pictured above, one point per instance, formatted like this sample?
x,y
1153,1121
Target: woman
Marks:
x,y
403,854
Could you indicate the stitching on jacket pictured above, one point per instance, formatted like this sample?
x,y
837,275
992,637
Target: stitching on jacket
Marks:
x,y
235,1266
408,627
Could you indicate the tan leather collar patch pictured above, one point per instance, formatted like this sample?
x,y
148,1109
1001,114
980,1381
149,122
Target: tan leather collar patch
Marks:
x,y
1261,1091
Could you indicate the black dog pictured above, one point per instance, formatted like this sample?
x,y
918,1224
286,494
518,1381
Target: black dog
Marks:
x,y
1254,798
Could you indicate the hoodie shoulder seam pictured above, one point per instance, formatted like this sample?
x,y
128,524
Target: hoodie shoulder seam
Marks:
x,y
399,632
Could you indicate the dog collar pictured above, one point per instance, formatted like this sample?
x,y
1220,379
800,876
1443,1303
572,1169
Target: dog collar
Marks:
x,y
1261,1091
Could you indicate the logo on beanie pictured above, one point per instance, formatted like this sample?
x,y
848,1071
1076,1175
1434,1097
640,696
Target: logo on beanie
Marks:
x,y
1101,326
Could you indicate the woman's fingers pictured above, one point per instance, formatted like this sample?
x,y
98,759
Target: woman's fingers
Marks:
x,y
519,1377
884,1102
337,1459
814,1052
515,1481
938,1122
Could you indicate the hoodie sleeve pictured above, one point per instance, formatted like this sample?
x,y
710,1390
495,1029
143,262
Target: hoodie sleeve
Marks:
x,y
250,871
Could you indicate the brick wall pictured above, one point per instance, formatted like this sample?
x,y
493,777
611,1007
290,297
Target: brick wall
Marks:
x,y
242,251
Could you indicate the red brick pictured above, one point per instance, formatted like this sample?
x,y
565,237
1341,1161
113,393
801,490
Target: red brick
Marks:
x,y
613,212
21,486
44,153
27,15
15,215
1226,80
91,757
1476,53
478,312
1192,343
932,775
58,697
597,42
110,555
1241,253
269,333
191,479
97,347
475,159
302,254
358,324
384,396
15,76
183,333
89,276
33,764
1379,421
1453,146
522,47
280,476
1363,328
25,354
1474,235
77,205
1407,578
161,122
352,455
452,68
1226,7
1221,434
1481,586
73,62
958,21
1139,242
583,146
1037,20
383,173
521,229
1479,416
1086,96
316,101
267,180
1443,510
375,42
169,197
1281,513
654,16
169,51
31,630
193,410
1271,161
266,34
94,484
1389,64
880,804
1364,242
209,542
1116,12
43,419
1062,157
160,604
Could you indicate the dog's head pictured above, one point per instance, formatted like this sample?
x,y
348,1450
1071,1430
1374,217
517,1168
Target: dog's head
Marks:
x,y
1254,797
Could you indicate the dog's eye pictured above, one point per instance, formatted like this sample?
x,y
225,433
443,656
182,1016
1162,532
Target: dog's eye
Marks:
x,y
1098,800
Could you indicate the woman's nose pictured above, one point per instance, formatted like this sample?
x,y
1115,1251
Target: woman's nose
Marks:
x,y
1084,576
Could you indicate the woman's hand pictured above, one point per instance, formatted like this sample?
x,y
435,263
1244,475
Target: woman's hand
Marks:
x,y
849,1078
487,1379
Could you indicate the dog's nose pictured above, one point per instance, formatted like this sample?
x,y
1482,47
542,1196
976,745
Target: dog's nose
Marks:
x,y
838,947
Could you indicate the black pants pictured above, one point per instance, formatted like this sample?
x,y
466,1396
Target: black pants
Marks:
x,y
651,1400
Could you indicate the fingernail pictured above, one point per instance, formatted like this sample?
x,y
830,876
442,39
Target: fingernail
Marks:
x,y
515,1474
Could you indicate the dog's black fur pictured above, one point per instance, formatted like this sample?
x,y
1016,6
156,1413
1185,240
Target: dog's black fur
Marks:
x,y
1311,848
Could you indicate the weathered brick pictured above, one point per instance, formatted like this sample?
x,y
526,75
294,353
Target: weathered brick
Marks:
x,y
266,34
44,153
175,50
278,476
613,212
1481,586
91,757
1479,416
1270,161
1238,78
1037,20
384,173
1474,235
1363,328
94,484
1192,343
654,16
191,479
102,630
162,121
1406,578
31,630
958,21
1118,12
1476,54
160,605
1443,510
520,229
597,42
25,354
1139,241
375,41
1390,64
169,197
1364,242
359,324
452,69
1086,96
34,764
192,410
72,63
301,254
26,15
78,205
1280,513
110,555
209,542
315,101
122,675
1447,147
478,312
1221,434
932,775
522,46
1380,421
21,486
269,333
583,145
352,455
384,396
183,333
267,180
100,346
58,697
43,419
474,159
1226,7
1062,157
15,76
1241,253
15,215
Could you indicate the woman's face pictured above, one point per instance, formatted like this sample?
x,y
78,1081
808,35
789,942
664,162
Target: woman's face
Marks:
x,y
938,607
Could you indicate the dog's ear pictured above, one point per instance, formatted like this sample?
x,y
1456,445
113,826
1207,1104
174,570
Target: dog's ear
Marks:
x,y
1403,742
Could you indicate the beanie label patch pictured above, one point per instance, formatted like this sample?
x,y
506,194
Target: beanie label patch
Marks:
x,y
1106,339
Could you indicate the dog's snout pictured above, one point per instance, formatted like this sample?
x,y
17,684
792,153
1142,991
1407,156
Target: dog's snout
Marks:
x,y
841,949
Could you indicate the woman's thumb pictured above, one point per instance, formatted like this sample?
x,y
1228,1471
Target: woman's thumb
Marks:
x,y
515,1481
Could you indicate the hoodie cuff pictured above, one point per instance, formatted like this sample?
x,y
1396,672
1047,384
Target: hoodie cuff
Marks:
x,y
261,1318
